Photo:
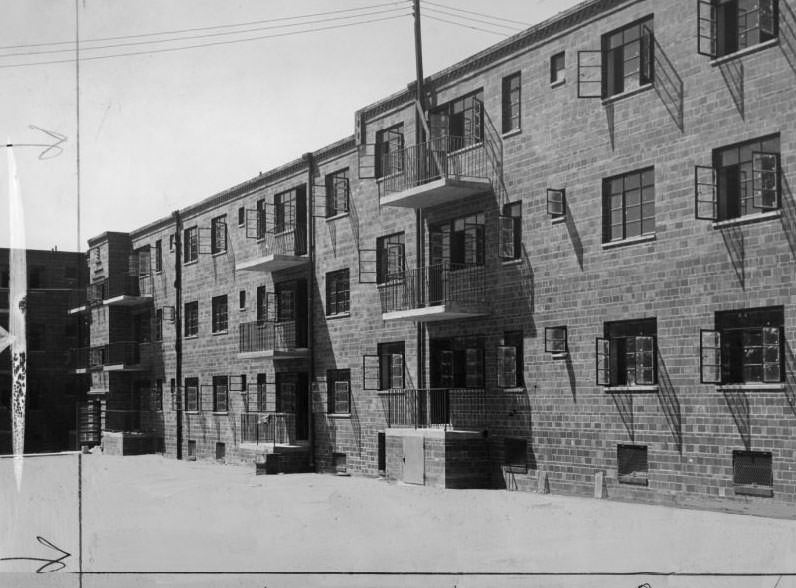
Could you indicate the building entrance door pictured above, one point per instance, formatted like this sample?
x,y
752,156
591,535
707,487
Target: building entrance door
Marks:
x,y
413,460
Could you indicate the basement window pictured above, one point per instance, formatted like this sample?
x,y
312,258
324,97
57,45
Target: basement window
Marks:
x,y
515,455
632,464
728,26
752,473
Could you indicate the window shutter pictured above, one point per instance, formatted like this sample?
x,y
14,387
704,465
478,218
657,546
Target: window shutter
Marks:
x,y
342,193
397,370
205,240
590,74
144,263
474,243
252,217
507,366
368,259
478,120
645,360
342,398
707,28
765,181
506,232
603,361
772,357
768,17
322,200
706,193
710,356
647,68
556,202
370,372
206,397
395,138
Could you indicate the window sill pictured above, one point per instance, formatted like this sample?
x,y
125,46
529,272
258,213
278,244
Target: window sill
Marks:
x,y
338,415
562,355
158,272
622,389
337,216
512,389
558,83
192,412
214,333
186,337
217,253
762,387
763,491
340,315
744,52
634,480
511,133
515,469
221,413
511,261
192,262
630,241
628,94
557,220
748,218
242,309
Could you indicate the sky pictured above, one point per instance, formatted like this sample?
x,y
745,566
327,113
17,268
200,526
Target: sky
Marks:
x,y
161,130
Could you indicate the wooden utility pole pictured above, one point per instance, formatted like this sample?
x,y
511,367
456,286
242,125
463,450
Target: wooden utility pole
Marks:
x,y
420,109
179,397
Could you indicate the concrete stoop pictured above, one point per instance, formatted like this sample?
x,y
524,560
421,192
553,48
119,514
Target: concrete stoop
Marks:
x,y
128,443
277,459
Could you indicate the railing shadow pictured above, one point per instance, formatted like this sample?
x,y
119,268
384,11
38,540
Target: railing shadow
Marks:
x,y
738,403
624,404
527,284
734,242
493,147
610,118
732,72
790,377
669,86
788,217
574,236
356,425
573,386
667,396
787,34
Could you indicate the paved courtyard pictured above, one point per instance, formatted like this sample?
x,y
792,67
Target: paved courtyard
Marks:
x,y
155,514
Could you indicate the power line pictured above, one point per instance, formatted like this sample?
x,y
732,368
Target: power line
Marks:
x,y
471,19
502,34
206,35
195,29
523,24
198,45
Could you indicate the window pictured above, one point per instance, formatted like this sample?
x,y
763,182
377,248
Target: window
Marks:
x,y
390,258
218,234
262,219
627,60
190,245
511,232
263,309
158,256
457,362
510,360
192,448
191,319
631,463
752,473
511,102
556,202
727,26
460,242
219,316
172,242
338,396
220,394
156,400
337,193
241,216
4,277
461,121
515,454
221,451
285,211
557,71
389,151
242,300
555,340
285,298
192,394
337,293
629,205
391,365
744,179
626,355
747,347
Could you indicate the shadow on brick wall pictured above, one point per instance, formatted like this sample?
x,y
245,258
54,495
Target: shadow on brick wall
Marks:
x,y
670,404
610,119
669,86
573,384
734,242
787,34
790,377
732,72
738,403
788,217
624,405
574,236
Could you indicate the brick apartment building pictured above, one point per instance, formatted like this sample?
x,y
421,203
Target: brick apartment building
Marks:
x,y
581,277
55,280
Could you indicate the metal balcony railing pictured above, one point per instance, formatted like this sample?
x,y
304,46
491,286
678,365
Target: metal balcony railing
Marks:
x,y
442,157
78,358
418,408
78,298
118,285
433,286
268,427
126,353
268,336
282,240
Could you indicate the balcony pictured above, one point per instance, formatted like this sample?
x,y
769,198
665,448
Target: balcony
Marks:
x,y
445,169
434,408
78,360
275,339
120,356
120,290
275,428
439,292
78,301
278,250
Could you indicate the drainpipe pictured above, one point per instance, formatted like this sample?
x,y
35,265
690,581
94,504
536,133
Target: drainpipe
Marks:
x,y
177,324
308,158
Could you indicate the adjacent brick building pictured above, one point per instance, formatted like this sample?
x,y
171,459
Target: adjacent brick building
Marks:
x,y
56,279
581,278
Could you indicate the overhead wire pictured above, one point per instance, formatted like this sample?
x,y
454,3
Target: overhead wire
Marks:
x,y
522,24
470,19
501,33
199,45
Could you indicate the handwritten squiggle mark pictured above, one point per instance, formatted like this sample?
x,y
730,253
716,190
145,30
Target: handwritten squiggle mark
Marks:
x,y
51,149
49,564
